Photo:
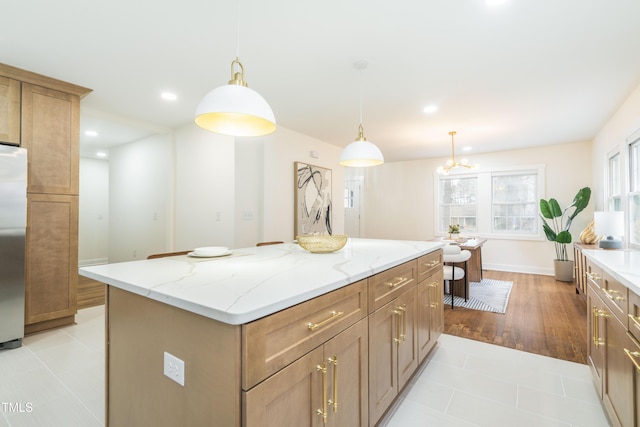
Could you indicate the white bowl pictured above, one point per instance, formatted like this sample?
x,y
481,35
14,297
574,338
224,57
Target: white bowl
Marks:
x,y
211,251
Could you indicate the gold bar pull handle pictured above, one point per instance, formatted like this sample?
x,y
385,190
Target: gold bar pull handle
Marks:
x,y
323,412
398,313
609,294
334,316
635,320
634,356
599,313
434,299
334,402
397,281
594,325
403,311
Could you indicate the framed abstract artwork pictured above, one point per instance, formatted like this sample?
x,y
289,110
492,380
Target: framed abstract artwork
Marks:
x,y
312,199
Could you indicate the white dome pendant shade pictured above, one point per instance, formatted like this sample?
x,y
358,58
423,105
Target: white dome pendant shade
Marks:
x,y
361,153
235,109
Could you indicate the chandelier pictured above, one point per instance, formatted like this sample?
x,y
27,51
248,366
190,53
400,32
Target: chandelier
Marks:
x,y
451,163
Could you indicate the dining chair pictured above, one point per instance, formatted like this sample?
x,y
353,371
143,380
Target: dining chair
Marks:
x,y
452,255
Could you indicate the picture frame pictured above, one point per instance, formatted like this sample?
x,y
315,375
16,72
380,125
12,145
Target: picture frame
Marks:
x,y
312,199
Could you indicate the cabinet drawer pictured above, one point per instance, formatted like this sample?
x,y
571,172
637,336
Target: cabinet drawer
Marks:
x,y
594,275
389,284
429,264
616,296
634,314
271,343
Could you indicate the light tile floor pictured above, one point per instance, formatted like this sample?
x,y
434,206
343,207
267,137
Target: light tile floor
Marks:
x,y
57,379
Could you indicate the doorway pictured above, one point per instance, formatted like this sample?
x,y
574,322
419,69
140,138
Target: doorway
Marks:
x,y
352,197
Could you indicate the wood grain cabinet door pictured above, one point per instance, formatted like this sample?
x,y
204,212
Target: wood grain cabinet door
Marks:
x,y
9,111
50,131
290,397
408,348
597,314
430,314
618,391
347,384
51,277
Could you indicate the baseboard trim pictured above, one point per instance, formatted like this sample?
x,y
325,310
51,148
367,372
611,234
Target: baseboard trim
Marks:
x,y
519,269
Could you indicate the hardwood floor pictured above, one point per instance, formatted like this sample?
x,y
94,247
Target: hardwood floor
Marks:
x,y
543,317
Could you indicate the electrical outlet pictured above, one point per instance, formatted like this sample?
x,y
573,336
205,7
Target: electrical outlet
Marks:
x,y
174,368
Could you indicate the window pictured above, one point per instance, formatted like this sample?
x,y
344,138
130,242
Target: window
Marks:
x,y
515,203
614,189
634,193
458,203
500,202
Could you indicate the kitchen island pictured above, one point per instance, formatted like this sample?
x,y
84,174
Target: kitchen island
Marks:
x,y
260,333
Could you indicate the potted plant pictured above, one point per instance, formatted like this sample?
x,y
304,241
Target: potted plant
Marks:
x,y
453,229
557,229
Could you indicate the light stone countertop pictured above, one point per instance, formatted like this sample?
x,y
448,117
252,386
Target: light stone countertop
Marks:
x,y
257,281
622,265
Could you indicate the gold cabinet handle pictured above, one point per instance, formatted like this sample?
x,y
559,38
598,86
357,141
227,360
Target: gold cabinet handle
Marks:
x,y
593,276
432,263
403,310
398,331
323,411
334,316
596,314
398,280
634,356
434,287
608,293
334,401
635,320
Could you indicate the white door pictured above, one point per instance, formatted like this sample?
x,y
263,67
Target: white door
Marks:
x,y
352,193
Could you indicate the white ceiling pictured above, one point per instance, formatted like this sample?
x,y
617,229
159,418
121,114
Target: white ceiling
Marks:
x,y
525,73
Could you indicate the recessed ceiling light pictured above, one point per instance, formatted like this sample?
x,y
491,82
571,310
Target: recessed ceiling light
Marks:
x,y
169,96
101,154
430,109
494,2
91,133
467,148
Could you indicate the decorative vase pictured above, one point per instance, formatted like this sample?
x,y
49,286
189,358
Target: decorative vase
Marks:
x,y
563,270
588,235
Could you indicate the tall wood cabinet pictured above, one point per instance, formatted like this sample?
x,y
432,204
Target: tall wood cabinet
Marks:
x,y
42,115
614,351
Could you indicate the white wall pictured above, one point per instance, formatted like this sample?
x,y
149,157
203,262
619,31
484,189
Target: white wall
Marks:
x,y
140,182
624,123
398,201
93,224
204,189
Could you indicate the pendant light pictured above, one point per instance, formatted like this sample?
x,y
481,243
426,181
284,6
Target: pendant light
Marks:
x,y
361,153
451,163
235,109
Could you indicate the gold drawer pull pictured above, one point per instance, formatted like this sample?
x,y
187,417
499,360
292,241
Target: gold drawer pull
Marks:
x,y
633,355
398,327
596,338
396,283
334,315
611,297
593,276
432,263
635,320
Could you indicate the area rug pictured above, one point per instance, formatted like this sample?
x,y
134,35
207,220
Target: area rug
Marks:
x,y
486,295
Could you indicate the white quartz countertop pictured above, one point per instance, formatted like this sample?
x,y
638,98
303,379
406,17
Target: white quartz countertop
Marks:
x,y
257,281
622,265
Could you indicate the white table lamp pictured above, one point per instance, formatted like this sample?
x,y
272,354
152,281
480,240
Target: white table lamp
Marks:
x,y
610,225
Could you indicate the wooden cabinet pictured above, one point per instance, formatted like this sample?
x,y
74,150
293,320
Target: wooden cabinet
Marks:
x,y
326,387
634,315
50,133
9,111
330,361
43,115
580,265
52,260
393,351
613,353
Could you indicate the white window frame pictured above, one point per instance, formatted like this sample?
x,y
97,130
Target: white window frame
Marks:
x,y
484,203
614,176
633,191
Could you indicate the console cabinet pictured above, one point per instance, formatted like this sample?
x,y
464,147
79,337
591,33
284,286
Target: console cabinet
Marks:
x,y
42,115
613,351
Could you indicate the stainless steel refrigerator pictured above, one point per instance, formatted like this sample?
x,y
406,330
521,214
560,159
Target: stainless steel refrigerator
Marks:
x,y
13,224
